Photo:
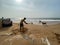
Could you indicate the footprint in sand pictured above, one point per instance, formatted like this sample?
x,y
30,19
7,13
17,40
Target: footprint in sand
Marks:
x,y
58,37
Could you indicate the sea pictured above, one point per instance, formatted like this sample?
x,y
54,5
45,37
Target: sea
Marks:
x,y
48,21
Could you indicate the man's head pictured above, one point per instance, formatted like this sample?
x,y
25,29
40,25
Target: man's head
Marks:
x,y
24,18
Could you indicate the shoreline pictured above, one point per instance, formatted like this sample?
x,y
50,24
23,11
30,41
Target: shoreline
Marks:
x,y
47,22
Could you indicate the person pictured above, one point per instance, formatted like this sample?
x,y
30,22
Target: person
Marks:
x,y
21,24
39,21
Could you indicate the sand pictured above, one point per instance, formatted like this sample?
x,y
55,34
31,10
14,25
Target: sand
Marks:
x,y
34,35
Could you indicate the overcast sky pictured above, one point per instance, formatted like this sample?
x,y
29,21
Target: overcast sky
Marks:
x,y
30,8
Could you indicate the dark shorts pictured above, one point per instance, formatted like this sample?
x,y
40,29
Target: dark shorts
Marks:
x,y
21,25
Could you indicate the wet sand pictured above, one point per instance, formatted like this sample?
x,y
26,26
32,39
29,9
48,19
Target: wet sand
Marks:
x,y
12,36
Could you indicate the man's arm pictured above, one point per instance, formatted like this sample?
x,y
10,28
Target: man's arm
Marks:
x,y
25,22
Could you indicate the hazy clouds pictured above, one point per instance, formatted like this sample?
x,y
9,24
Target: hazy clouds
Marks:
x,y
30,8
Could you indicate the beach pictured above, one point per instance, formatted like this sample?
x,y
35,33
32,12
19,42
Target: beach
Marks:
x,y
29,22
33,36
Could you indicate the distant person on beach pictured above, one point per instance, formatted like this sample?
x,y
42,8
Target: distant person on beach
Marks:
x,y
21,23
39,21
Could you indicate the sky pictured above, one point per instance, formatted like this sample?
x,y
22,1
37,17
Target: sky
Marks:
x,y
30,8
